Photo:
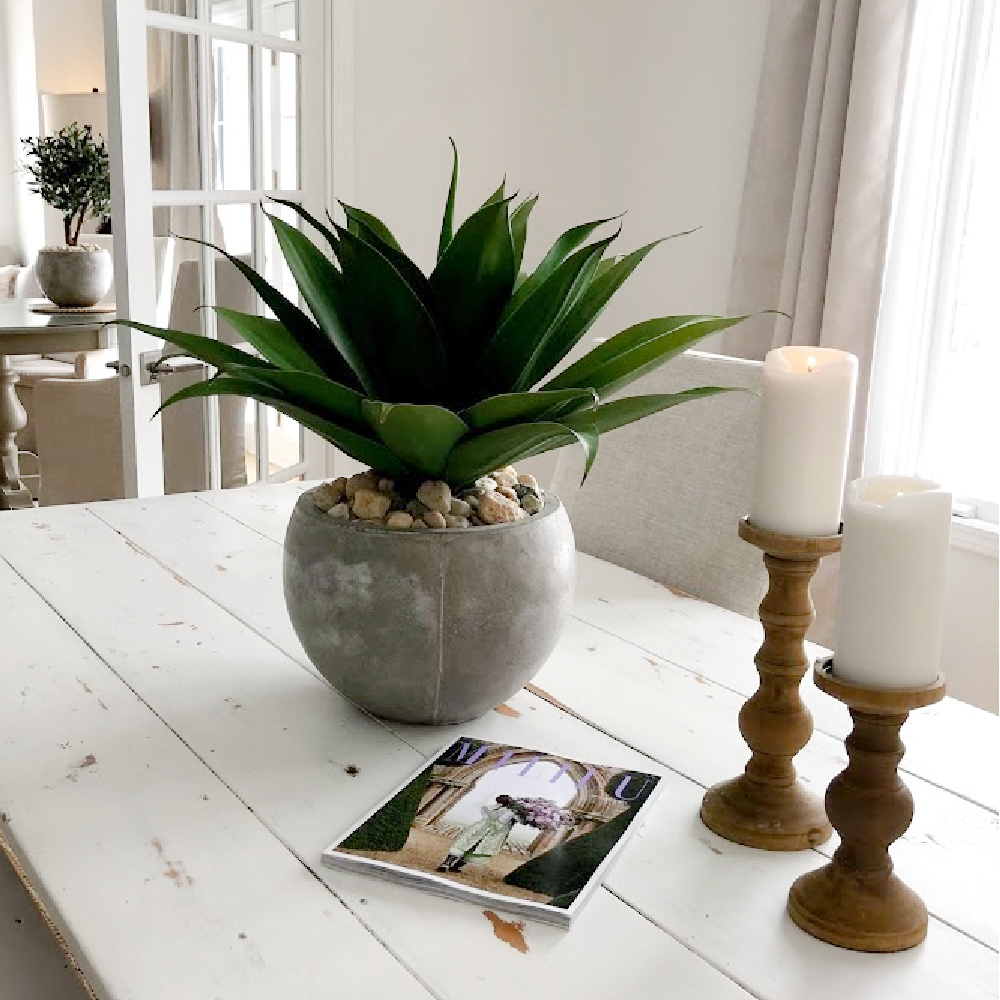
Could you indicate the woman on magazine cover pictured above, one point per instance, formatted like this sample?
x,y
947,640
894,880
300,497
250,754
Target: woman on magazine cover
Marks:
x,y
483,839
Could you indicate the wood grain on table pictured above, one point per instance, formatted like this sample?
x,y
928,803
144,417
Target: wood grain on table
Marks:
x,y
174,766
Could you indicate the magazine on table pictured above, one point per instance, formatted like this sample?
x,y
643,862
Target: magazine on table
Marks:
x,y
529,832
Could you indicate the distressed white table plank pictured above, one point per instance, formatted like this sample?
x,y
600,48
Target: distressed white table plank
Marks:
x,y
283,741
162,880
670,712
714,907
952,744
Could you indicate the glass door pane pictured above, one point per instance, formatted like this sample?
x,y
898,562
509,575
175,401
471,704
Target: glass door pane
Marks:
x,y
280,109
233,149
174,110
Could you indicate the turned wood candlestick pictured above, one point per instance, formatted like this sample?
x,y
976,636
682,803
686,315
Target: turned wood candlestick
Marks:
x,y
856,901
766,806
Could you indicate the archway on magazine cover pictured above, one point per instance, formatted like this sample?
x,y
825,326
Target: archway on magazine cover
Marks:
x,y
590,803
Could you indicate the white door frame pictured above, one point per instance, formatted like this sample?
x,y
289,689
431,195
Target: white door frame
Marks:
x,y
133,198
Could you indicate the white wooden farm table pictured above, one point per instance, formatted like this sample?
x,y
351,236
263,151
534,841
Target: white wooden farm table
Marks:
x,y
171,768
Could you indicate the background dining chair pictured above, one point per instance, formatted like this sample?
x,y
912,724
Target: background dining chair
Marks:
x,y
665,494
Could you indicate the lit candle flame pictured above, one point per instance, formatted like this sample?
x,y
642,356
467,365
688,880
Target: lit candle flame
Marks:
x,y
810,363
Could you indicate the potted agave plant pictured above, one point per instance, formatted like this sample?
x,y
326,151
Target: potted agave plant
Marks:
x,y
434,585
70,171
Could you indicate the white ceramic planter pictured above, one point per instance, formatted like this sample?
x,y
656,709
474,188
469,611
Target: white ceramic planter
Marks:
x,y
435,626
74,276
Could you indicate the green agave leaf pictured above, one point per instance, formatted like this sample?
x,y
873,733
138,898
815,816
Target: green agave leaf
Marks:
x,y
358,446
632,353
519,231
509,355
497,195
315,393
321,285
212,352
394,333
473,280
575,322
270,338
605,265
300,327
423,436
320,227
449,206
477,456
358,218
409,271
588,437
619,412
526,407
559,251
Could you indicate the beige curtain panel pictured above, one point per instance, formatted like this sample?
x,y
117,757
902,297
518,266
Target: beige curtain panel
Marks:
x,y
818,194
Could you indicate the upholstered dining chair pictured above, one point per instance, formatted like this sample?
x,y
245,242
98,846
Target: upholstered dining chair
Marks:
x,y
665,494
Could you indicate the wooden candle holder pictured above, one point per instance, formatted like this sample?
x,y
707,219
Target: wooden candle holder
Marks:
x,y
766,806
856,901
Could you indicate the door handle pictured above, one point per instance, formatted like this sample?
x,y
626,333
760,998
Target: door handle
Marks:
x,y
154,366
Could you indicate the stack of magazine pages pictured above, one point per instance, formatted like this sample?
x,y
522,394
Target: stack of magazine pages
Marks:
x,y
529,832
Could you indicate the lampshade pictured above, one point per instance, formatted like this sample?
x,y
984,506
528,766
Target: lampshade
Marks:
x,y
60,110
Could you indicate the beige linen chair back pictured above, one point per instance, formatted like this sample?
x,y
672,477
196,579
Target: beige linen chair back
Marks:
x,y
665,494
79,431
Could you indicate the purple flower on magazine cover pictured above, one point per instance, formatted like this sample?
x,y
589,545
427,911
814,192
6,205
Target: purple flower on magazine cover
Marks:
x,y
541,813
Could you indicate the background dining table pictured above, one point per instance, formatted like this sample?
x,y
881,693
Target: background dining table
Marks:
x,y
172,767
24,331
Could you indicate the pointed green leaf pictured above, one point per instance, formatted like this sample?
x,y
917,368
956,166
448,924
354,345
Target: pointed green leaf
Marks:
x,y
575,322
409,271
315,393
477,456
212,352
606,265
320,227
497,195
619,412
632,353
526,407
508,356
358,446
448,220
559,251
474,278
357,217
422,436
584,427
321,285
394,333
519,229
270,338
300,327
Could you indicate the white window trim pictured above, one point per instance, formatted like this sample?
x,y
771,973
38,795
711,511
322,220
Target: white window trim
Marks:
x,y
903,371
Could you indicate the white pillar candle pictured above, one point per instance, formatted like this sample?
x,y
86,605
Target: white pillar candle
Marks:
x,y
892,578
805,429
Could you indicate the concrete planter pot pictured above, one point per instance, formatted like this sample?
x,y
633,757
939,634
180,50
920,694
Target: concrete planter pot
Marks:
x,y
74,276
436,626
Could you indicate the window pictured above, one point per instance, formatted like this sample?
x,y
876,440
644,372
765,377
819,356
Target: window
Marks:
x,y
935,403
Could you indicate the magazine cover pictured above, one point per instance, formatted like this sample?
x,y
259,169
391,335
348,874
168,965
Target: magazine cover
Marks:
x,y
523,830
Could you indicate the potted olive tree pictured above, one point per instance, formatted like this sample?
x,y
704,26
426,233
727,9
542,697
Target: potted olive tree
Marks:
x,y
70,171
435,584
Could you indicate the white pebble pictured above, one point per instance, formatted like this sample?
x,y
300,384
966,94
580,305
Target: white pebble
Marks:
x,y
497,509
455,521
400,519
527,479
435,519
370,506
485,483
436,494
340,510
531,504
460,508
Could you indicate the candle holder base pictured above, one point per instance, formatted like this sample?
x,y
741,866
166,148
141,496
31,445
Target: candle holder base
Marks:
x,y
767,806
789,818
856,901
862,912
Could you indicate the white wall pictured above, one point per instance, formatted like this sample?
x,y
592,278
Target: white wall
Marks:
x,y
599,107
69,46
971,650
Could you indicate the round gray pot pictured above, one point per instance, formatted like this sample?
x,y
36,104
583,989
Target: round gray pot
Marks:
x,y
74,276
434,626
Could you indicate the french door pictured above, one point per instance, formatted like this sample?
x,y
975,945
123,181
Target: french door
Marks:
x,y
208,104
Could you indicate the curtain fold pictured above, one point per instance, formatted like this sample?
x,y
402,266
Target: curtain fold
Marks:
x,y
818,195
